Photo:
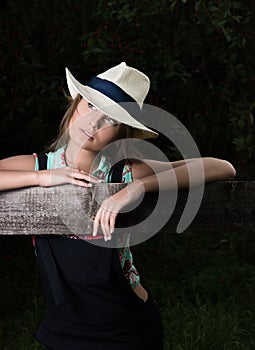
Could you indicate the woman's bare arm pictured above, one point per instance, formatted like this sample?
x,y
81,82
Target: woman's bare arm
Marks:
x,y
18,172
170,176
177,173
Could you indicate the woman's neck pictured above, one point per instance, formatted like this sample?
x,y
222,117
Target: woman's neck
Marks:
x,y
81,159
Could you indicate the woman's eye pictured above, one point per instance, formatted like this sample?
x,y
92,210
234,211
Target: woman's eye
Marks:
x,y
110,120
91,106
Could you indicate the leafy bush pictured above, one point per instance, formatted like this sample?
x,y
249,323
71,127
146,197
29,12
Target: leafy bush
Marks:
x,y
199,55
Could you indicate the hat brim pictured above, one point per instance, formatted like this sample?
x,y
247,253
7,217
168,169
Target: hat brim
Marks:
x,y
109,107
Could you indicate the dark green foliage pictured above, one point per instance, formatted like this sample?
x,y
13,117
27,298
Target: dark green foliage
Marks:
x,y
34,36
199,55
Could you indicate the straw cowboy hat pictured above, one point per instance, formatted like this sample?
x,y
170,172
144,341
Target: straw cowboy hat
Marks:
x,y
118,92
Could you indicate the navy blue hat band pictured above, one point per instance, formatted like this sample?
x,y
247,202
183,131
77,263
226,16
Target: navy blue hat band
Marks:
x,y
111,90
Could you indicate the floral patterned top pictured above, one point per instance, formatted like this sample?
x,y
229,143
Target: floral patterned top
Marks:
x,y
57,160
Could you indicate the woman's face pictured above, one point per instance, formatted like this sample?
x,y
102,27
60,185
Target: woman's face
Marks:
x,y
91,129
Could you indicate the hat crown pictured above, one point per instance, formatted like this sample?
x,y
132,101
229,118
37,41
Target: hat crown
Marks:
x,y
135,83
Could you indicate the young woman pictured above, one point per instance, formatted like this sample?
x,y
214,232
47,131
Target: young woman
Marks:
x,y
94,294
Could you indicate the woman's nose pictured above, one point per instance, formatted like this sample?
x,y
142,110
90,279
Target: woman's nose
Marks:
x,y
93,124
96,120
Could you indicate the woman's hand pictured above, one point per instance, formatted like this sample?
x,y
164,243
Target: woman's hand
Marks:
x,y
107,213
65,175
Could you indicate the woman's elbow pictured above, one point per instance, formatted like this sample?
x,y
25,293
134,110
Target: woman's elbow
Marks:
x,y
226,170
218,169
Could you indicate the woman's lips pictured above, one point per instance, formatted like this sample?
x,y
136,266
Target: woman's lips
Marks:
x,y
87,134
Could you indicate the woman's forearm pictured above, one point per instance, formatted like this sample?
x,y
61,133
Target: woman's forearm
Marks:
x,y
191,173
12,179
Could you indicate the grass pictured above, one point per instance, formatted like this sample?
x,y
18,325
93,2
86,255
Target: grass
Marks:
x,y
209,327
204,287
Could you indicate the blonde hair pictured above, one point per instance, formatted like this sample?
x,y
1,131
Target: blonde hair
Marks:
x,y
63,135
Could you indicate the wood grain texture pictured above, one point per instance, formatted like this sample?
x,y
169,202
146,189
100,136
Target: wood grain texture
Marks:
x,y
226,206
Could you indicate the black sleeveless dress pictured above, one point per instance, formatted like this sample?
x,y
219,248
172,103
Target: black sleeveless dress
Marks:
x,y
90,304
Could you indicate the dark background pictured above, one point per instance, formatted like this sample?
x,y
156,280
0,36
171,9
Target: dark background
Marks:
x,y
200,58
198,54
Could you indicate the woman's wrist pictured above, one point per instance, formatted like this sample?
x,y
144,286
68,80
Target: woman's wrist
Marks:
x,y
42,178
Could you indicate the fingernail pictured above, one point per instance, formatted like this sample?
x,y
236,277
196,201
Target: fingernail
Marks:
x,y
105,238
111,230
90,185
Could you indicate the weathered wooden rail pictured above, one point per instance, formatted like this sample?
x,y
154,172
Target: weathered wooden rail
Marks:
x,y
226,206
